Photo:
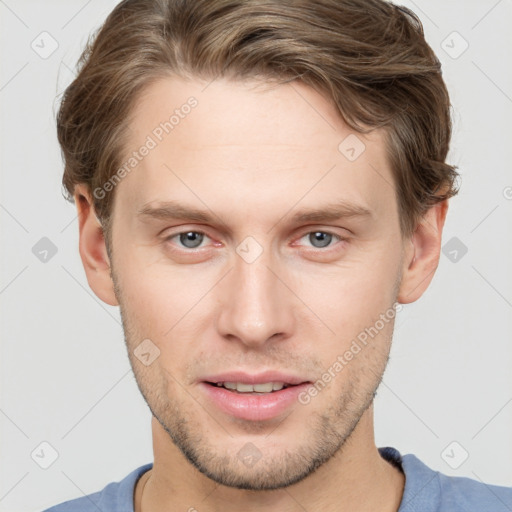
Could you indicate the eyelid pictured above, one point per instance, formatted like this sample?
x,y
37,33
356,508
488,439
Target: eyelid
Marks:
x,y
309,230
184,231
167,238
326,231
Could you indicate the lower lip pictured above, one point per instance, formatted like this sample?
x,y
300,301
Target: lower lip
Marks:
x,y
248,406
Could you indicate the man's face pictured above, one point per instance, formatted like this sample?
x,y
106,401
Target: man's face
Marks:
x,y
256,286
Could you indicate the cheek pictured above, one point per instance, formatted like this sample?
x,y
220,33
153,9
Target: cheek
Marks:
x,y
162,298
171,306
156,293
351,297
352,300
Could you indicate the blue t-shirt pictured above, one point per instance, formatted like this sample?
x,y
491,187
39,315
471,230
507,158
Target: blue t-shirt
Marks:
x,y
425,491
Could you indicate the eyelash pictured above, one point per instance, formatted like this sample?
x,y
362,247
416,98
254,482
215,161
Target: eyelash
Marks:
x,y
186,249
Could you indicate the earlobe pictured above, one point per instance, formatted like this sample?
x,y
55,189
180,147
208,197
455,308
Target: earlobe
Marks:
x,y
421,256
93,251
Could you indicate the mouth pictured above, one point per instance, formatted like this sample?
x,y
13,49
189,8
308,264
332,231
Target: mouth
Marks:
x,y
253,397
253,389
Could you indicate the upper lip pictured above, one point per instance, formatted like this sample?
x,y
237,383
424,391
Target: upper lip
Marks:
x,y
255,378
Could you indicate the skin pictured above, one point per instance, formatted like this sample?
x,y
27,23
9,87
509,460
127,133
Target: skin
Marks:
x,y
253,155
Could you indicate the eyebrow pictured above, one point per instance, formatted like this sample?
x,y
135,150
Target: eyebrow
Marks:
x,y
168,210
173,210
332,211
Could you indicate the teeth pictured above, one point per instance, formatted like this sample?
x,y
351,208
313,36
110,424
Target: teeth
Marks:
x,y
244,388
263,388
241,387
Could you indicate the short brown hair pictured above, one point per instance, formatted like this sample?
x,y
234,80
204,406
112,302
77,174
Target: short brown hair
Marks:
x,y
369,57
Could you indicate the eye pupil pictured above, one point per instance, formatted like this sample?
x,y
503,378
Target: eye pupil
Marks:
x,y
191,239
320,239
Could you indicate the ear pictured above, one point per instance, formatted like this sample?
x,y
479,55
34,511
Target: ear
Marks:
x,y
92,247
421,254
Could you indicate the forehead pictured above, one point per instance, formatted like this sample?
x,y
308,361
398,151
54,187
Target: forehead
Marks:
x,y
252,142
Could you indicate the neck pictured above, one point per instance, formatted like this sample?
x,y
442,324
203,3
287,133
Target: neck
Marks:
x,y
356,478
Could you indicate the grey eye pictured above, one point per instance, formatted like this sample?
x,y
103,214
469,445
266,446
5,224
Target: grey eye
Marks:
x,y
191,239
320,238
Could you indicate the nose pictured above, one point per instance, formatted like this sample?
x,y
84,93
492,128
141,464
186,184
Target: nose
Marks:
x,y
256,306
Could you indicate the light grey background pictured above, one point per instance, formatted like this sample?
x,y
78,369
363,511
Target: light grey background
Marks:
x,y
64,370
